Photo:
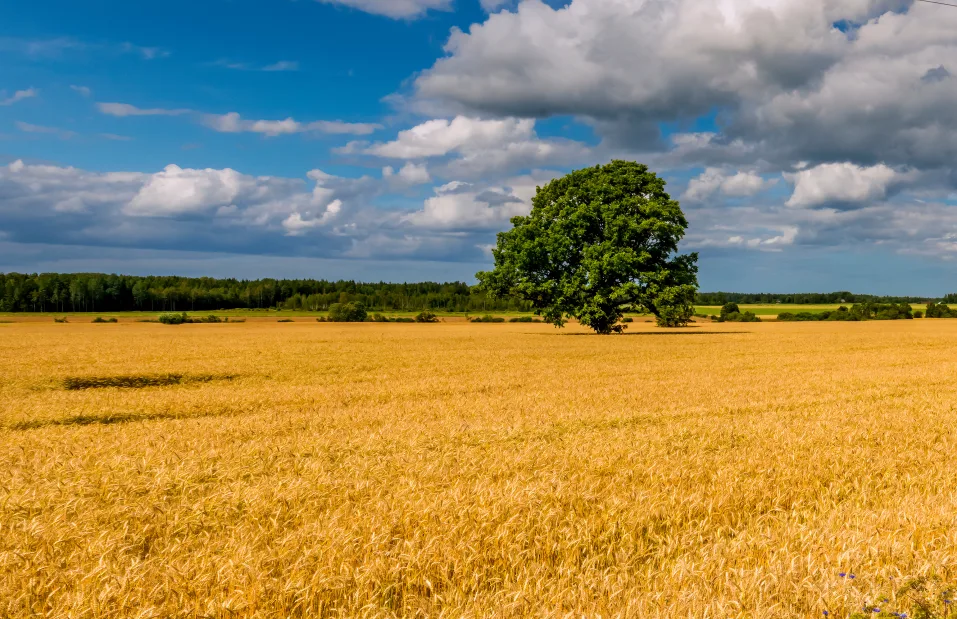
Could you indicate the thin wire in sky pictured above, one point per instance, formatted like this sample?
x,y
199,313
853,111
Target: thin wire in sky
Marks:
x,y
954,6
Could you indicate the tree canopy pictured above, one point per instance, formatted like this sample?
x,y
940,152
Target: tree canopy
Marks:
x,y
598,242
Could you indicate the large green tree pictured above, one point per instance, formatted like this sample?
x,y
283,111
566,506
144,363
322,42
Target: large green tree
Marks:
x,y
598,242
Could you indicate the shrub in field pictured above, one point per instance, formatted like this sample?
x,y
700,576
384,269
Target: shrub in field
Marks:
x,y
628,319
285,320
883,311
918,314
100,319
802,316
736,316
379,318
841,314
347,312
60,320
321,319
730,312
402,319
524,319
426,316
730,308
939,310
173,318
860,311
486,318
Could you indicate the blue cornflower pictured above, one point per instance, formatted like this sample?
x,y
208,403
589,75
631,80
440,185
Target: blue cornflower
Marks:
x,y
842,574
851,576
826,613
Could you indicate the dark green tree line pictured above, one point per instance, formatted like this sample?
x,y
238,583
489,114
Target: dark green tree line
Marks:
x,y
803,298
98,292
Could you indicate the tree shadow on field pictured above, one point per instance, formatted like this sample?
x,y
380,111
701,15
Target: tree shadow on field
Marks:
x,y
106,420
139,381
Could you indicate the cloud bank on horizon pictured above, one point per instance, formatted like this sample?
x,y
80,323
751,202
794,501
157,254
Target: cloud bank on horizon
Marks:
x,y
789,129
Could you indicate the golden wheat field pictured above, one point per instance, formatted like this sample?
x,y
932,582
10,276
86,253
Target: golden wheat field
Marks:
x,y
462,470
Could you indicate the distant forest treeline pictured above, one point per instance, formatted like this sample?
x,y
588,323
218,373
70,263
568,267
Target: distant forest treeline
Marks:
x,y
98,292
810,298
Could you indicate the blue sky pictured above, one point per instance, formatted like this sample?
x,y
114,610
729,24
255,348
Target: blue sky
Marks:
x,y
810,145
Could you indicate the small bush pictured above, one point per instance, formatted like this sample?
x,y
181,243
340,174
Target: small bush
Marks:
x,y
802,317
100,319
60,320
918,314
403,319
321,319
673,316
347,312
285,320
736,317
234,319
426,316
525,319
486,318
173,318
379,318
628,319
730,308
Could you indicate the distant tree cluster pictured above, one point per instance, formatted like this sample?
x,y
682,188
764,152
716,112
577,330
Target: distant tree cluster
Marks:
x,y
98,292
730,312
858,312
939,310
810,298
172,318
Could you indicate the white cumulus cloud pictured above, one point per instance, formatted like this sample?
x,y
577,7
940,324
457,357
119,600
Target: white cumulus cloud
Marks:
x,y
845,183
410,173
177,191
715,180
477,147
